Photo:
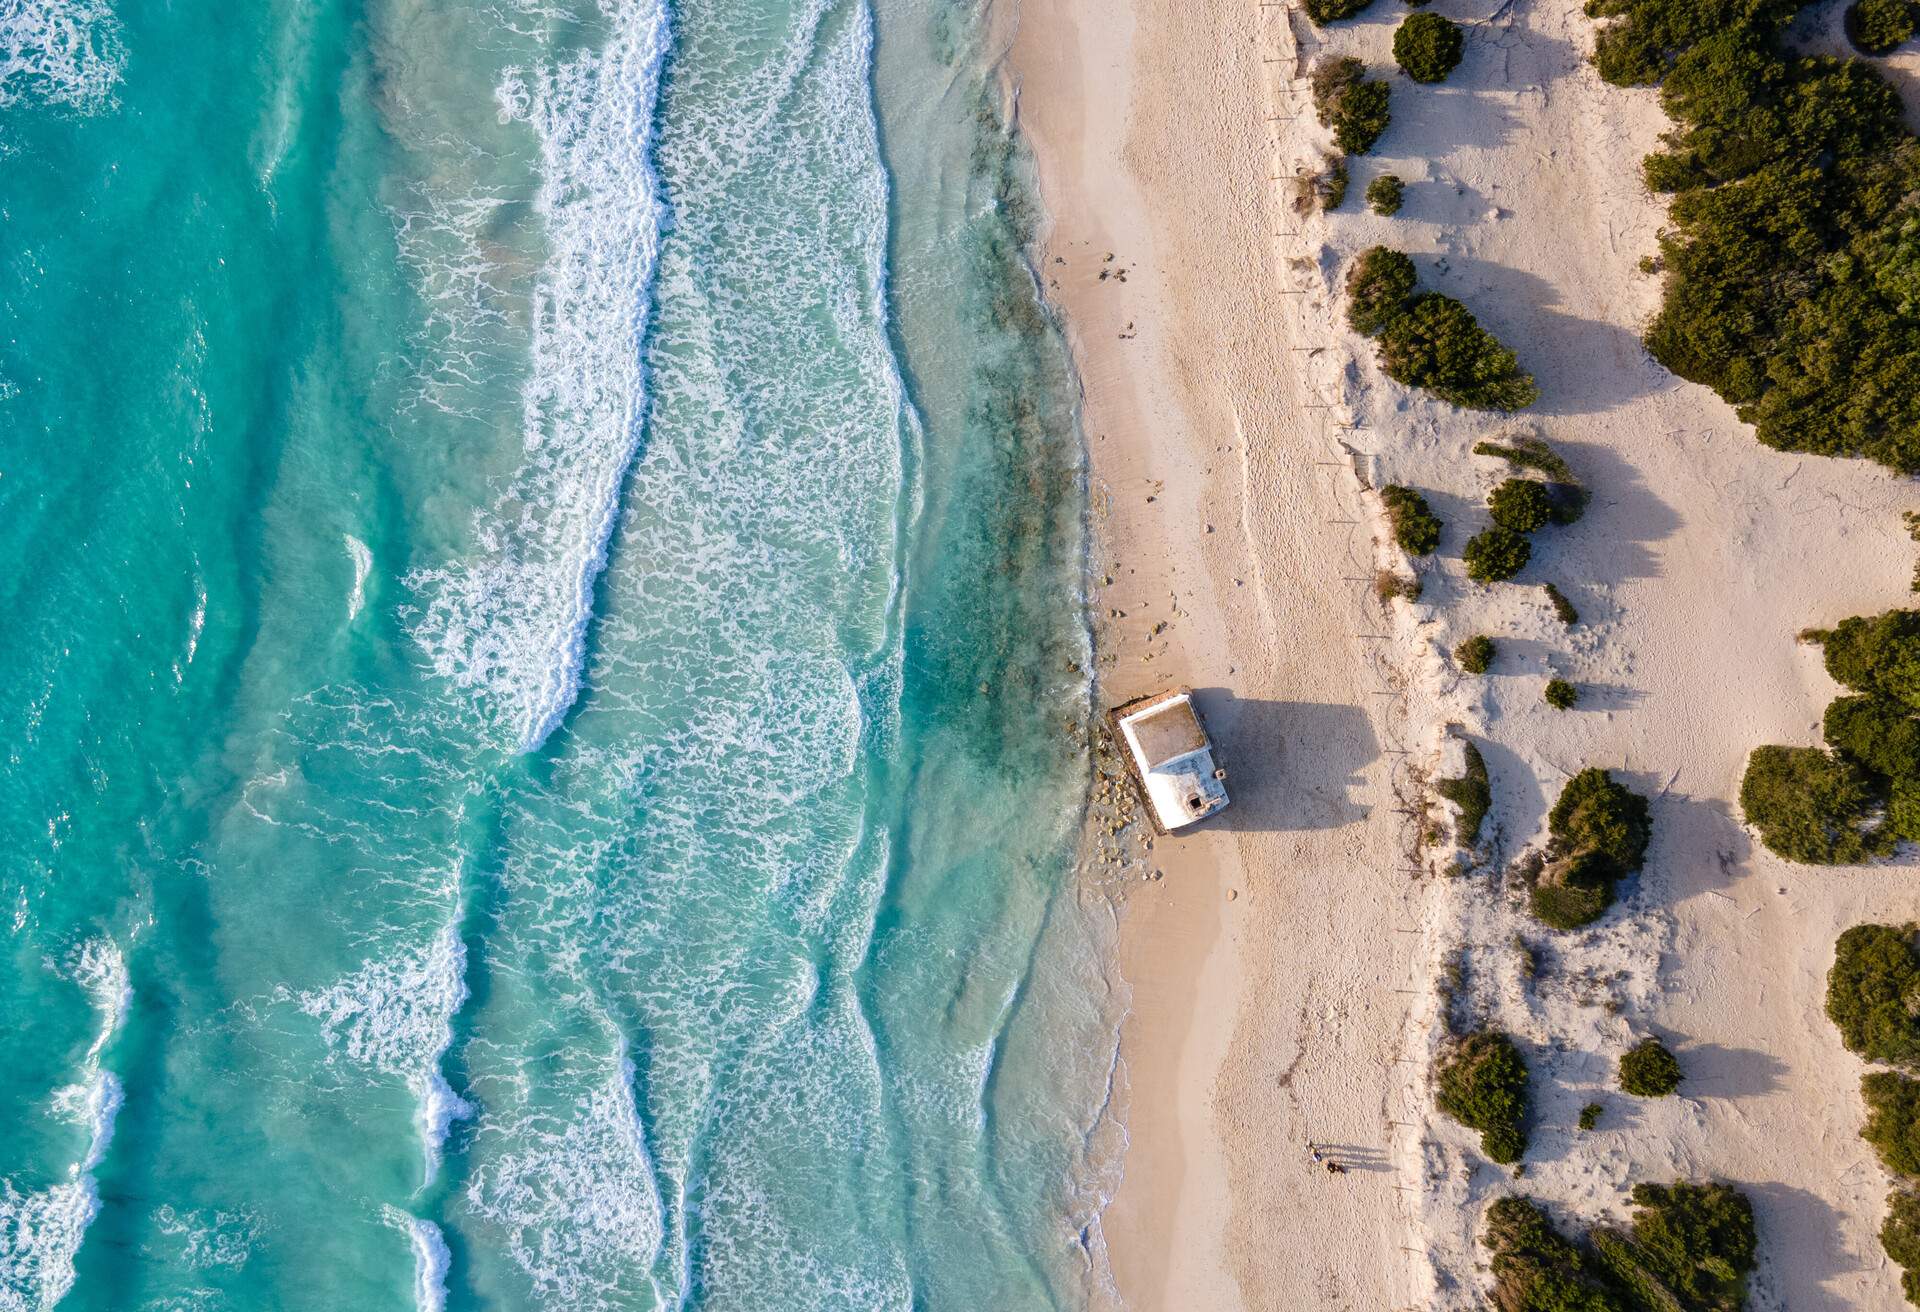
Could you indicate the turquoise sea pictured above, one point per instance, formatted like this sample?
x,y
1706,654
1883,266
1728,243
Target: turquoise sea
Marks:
x,y
543,658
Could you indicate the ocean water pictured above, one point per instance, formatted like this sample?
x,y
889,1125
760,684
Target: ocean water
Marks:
x,y
544,684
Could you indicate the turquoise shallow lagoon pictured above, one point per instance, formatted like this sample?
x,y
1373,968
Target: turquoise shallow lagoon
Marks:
x,y
543,684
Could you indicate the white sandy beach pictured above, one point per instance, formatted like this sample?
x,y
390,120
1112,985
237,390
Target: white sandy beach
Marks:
x,y
1217,376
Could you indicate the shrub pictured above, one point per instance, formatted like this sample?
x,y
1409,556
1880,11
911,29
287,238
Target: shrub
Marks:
x,y
1893,1120
1483,1085
1472,792
1529,453
1696,1240
1878,26
1873,993
1346,101
1900,1236
1571,893
1415,527
1878,654
1537,1269
1427,47
1648,1070
1521,504
1437,344
1875,732
1385,195
1590,1116
1496,553
1387,586
1597,816
1562,608
1323,12
1330,185
1561,695
1379,285
1809,806
1475,654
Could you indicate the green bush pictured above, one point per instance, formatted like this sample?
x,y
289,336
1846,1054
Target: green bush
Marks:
x,y
1697,1241
1571,893
1648,1070
1323,12
1562,608
1379,285
1475,654
1385,195
1415,527
1530,453
1878,654
1346,101
1590,1116
1875,732
1483,1085
1496,553
1438,345
1561,695
1427,47
1537,1269
1790,269
1893,1120
1810,806
1900,1236
1521,504
1878,26
1472,792
1595,815
1330,186
1873,993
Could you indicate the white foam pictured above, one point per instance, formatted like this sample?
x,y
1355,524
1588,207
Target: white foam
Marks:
x,y
395,1016
59,52
510,625
430,1259
362,566
579,1202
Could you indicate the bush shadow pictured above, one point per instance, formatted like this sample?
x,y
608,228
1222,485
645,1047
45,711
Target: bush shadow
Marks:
x,y
1559,349
1713,1070
1291,765
1612,541
1800,1248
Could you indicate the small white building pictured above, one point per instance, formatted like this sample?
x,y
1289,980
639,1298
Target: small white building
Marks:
x,y
1169,753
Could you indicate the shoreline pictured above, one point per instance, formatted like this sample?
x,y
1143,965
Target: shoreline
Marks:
x,y
1255,1025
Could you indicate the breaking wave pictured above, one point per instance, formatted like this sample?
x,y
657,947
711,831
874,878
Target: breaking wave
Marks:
x,y
59,52
511,624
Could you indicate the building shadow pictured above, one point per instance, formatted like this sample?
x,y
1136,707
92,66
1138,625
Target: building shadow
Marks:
x,y
1290,765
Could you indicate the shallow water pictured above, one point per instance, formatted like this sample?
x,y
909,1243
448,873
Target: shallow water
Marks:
x,y
546,724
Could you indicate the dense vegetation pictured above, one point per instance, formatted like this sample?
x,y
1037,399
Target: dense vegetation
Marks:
x,y
1415,527
1472,792
1873,993
1521,504
1563,609
1893,1119
1323,12
1561,695
1648,1070
1793,248
1355,107
1900,1236
1475,654
1385,195
1690,1248
1483,1085
1860,798
1432,341
1567,500
1598,832
1427,47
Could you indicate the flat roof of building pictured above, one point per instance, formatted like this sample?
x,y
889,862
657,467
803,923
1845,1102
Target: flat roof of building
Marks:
x,y
1167,732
